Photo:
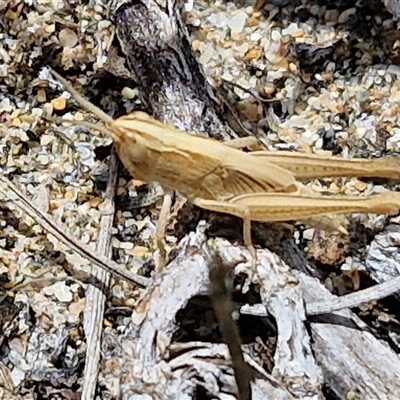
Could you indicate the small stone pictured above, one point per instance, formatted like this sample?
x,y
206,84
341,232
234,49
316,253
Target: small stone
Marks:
x,y
293,68
140,225
50,28
314,10
237,22
269,89
70,193
249,10
41,96
227,76
59,103
243,49
129,222
294,31
17,345
276,35
67,38
78,116
138,251
95,201
345,15
104,206
254,54
196,22
308,234
16,122
126,245
393,69
5,105
138,183
351,395
360,186
250,111
45,140
60,291
104,24
255,37
107,323
362,95
253,21
17,376
11,15
297,34
206,54
331,15
74,334
129,93
115,242
196,44
329,284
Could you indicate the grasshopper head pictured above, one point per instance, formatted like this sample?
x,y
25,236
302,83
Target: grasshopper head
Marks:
x,y
131,149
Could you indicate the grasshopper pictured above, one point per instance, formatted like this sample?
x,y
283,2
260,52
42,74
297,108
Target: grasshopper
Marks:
x,y
257,186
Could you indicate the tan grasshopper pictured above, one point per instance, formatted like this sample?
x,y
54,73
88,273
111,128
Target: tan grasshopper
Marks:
x,y
260,186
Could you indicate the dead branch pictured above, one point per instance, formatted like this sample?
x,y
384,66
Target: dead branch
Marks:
x,y
96,297
13,194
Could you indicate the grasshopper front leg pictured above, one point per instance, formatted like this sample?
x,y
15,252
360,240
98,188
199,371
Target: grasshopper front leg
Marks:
x,y
161,229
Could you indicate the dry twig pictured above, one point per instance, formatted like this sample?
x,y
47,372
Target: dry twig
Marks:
x,y
221,296
336,303
43,219
95,297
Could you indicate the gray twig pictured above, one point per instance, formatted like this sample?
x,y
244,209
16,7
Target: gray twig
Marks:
x,y
45,220
95,297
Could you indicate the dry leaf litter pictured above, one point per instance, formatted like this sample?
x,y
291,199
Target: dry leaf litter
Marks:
x,y
332,68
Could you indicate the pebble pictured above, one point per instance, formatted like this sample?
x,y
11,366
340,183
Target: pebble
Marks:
x,y
68,38
41,96
129,93
254,54
84,152
315,9
346,14
59,103
207,53
269,89
45,140
276,35
237,22
293,30
17,376
126,245
255,37
332,15
61,291
362,95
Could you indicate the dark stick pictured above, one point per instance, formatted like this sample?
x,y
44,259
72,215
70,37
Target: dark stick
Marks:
x,y
159,57
223,306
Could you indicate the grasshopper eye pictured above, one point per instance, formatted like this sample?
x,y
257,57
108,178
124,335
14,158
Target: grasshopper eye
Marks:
x,y
129,149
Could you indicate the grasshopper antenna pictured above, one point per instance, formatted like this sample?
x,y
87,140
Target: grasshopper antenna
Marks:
x,y
81,100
